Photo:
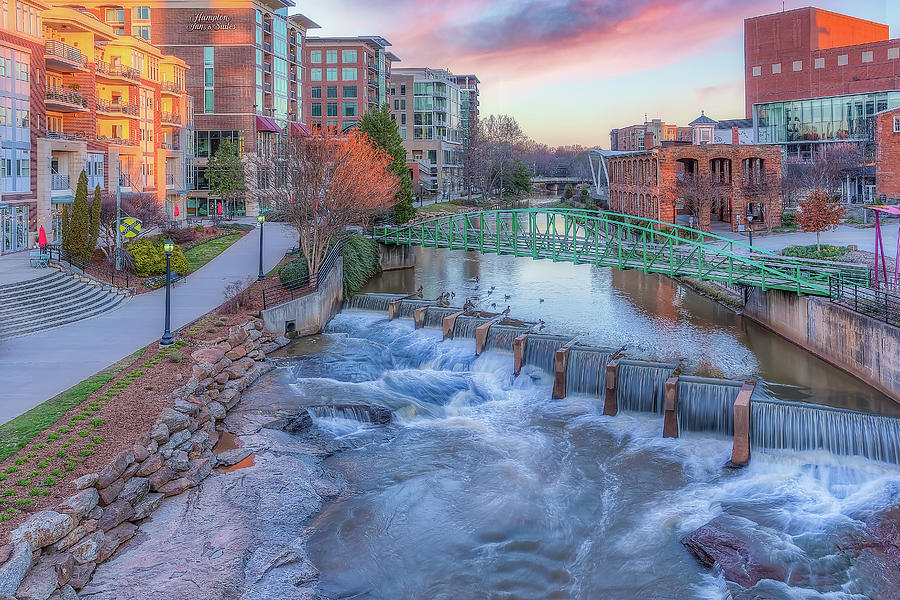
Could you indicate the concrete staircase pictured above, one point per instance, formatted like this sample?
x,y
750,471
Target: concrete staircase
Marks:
x,y
51,300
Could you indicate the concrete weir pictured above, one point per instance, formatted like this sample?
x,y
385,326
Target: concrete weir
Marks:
x,y
519,353
611,399
560,377
670,419
481,334
448,323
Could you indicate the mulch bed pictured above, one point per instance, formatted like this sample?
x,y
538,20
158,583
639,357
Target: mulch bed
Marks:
x,y
111,419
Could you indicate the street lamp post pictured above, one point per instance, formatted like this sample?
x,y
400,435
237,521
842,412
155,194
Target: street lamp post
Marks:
x,y
261,219
169,247
750,228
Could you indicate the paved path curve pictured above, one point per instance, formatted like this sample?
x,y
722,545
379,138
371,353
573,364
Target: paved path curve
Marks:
x,y
38,366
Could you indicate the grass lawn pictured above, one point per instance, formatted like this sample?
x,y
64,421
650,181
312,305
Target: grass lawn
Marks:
x,y
203,253
21,430
439,207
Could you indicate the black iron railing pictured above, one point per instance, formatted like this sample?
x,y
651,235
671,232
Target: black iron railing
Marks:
x,y
877,303
302,286
121,279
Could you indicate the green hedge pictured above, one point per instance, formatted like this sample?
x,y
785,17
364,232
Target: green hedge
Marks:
x,y
149,258
826,253
360,264
293,270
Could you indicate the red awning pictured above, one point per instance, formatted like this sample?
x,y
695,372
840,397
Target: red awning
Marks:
x,y
267,124
300,129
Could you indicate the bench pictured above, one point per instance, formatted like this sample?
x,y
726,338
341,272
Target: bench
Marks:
x,y
39,259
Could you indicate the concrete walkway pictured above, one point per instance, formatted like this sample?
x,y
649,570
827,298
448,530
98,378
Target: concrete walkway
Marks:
x,y
38,366
863,238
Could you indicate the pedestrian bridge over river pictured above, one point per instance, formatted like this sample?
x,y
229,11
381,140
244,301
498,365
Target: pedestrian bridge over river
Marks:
x,y
624,242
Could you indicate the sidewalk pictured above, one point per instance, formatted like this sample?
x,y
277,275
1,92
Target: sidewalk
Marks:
x,y
38,366
863,238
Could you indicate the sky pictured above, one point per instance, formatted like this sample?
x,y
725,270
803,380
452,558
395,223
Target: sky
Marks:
x,y
571,70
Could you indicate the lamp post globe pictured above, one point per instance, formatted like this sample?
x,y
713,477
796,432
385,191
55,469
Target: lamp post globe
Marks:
x,y
168,247
261,219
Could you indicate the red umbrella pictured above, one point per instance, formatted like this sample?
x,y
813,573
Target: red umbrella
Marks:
x,y
218,208
176,210
42,237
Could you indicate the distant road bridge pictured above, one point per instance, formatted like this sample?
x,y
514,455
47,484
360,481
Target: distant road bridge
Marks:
x,y
624,242
551,184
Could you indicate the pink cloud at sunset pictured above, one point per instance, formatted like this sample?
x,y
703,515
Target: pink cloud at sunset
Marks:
x,y
570,70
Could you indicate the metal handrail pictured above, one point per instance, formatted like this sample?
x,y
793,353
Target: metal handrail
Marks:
x,y
98,272
65,52
67,95
302,286
878,303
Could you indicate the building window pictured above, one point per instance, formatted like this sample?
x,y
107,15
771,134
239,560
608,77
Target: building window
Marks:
x,y
208,79
402,89
331,74
331,124
403,104
396,104
798,65
316,91
332,109
141,31
820,63
348,73
757,71
843,59
893,53
142,13
22,71
349,109
403,133
115,15
776,68
331,56
317,109
23,167
867,56
22,118
403,118
896,124
331,91
208,105
350,91
315,57
315,74
348,56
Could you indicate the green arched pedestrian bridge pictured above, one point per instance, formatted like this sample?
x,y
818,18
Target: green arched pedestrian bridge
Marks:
x,y
624,242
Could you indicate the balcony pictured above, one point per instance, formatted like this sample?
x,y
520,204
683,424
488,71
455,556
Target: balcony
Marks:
x,y
62,135
116,141
64,58
59,182
117,109
173,145
117,72
171,119
170,180
172,88
63,99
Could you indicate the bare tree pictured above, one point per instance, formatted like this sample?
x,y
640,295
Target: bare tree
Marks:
x,y
824,174
327,183
697,191
502,135
140,206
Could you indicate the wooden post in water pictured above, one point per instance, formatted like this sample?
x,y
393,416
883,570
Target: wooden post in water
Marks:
x,y
519,353
561,365
740,450
611,401
447,324
419,317
670,420
481,333
393,310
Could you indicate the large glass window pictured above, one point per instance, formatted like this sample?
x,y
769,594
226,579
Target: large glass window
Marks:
x,y
317,109
315,91
349,109
142,13
349,74
348,56
331,74
350,91
331,91
331,56
315,57
332,109
315,74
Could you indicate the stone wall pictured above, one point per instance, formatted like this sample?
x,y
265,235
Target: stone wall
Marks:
x,y
55,552
396,257
864,347
309,314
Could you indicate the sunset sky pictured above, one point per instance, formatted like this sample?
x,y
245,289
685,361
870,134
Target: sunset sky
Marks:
x,y
571,70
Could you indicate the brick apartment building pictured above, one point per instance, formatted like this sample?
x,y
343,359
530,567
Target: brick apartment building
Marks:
x,y
344,78
648,134
746,182
814,77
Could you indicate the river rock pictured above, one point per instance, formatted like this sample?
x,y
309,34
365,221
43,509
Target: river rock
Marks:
x,y
117,512
176,440
135,489
12,572
147,506
40,582
86,481
186,407
207,355
293,424
111,492
43,528
216,410
179,461
81,574
140,452
237,353
232,457
87,550
80,504
86,527
115,468
151,465
161,477
176,486
160,433
236,371
174,420
236,335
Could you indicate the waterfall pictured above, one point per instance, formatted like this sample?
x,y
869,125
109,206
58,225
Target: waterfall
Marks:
x,y
373,302
500,337
707,404
435,315
778,424
353,412
465,326
586,371
641,386
540,350
408,307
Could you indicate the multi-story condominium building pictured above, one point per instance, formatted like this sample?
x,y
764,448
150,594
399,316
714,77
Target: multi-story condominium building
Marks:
x,y
814,77
344,78
427,107
243,60
649,134
469,102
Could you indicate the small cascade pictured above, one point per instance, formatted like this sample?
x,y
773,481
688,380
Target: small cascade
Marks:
x,y
540,350
779,424
362,413
707,404
641,386
500,337
408,307
465,326
435,315
586,372
373,302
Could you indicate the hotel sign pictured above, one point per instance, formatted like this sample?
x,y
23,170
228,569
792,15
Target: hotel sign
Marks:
x,y
211,22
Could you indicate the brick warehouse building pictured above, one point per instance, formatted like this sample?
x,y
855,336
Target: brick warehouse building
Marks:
x,y
745,181
887,155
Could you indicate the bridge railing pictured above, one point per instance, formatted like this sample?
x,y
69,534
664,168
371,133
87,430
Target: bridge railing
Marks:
x,y
877,303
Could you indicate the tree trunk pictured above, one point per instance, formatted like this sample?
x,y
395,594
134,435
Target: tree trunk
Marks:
x,y
818,245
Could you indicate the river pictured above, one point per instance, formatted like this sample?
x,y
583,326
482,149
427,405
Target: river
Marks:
x,y
484,487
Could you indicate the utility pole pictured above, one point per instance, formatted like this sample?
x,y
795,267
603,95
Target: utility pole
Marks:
x,y
118,184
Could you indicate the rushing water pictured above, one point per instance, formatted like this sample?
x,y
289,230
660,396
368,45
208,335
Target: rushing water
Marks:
x,y
485,488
